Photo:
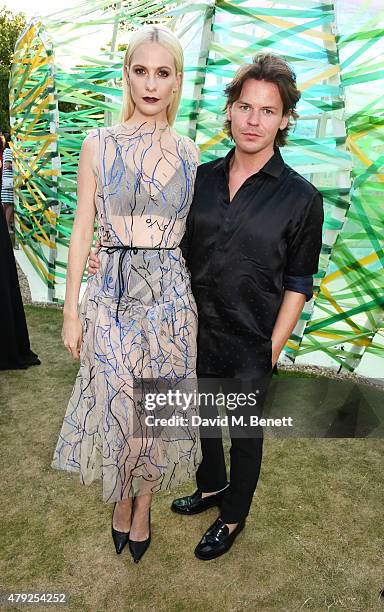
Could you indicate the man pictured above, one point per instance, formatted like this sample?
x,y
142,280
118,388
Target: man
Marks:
x,y
252,245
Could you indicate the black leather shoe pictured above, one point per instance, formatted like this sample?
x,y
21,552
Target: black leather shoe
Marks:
x,y
120,538
138,548
217,540
194,504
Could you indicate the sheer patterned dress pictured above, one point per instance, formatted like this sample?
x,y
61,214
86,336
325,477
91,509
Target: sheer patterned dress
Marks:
x,y
138,316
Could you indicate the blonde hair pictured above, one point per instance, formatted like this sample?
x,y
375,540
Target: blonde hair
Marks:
x,y
164,37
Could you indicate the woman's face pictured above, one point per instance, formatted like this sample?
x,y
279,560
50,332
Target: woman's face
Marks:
x,y
153,80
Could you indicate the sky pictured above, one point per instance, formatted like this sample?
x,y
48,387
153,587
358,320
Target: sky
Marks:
x,y
95,37
42,7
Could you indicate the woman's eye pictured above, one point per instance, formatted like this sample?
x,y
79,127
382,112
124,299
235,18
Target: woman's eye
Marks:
x,y
163,73
139,70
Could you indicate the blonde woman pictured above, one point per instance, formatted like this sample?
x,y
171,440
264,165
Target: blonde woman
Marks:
x,y
138,316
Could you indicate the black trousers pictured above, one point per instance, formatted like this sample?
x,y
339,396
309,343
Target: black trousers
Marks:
x,y
245,453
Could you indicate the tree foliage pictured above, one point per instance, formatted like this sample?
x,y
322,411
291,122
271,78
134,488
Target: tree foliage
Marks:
x,y
11,25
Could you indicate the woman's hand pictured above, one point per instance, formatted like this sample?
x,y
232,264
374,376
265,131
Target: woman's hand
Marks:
x,y
93,261
72,334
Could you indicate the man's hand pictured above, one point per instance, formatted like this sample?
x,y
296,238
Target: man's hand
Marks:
x,y
93,261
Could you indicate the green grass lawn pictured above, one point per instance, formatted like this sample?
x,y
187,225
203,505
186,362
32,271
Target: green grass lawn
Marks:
x,y
313,539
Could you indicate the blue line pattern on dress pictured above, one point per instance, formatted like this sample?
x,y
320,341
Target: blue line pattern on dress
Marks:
x,y
139,319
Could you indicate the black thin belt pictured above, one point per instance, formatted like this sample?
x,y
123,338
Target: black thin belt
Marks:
x,y
125,248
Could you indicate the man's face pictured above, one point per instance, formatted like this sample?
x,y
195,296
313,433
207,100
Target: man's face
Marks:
x,y
257,116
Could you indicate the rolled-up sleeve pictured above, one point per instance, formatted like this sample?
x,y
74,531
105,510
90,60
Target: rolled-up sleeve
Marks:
x,y
304,244
299,284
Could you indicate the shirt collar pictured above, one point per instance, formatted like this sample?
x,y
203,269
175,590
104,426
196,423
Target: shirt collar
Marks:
x,y
274,166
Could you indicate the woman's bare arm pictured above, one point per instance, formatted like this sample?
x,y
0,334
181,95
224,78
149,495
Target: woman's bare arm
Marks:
x,y
81,241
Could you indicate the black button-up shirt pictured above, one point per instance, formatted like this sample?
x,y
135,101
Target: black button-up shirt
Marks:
x,y
239,253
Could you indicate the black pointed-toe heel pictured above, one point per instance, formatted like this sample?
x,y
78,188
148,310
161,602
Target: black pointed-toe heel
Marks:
x,y
120,538
138,548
